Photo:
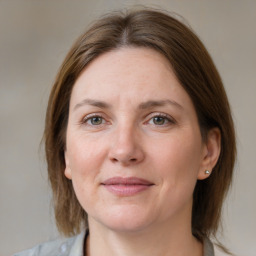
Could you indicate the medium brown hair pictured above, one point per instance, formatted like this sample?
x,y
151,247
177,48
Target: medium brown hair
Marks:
x,y
195,71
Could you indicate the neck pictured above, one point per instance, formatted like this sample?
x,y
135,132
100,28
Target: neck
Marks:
x,y
158,241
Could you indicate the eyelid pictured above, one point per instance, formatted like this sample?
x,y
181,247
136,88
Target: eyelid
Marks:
x,y
87,117
164,115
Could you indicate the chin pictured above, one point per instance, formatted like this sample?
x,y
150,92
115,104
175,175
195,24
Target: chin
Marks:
x,y
127,227
125,220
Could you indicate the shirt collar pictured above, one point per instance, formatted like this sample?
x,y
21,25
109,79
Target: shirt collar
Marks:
x,y
77,248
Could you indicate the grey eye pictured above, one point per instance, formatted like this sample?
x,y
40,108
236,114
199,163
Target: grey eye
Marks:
x,y
96,120
159,120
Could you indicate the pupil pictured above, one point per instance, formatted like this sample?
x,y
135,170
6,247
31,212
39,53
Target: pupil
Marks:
x,y
96,120
158,120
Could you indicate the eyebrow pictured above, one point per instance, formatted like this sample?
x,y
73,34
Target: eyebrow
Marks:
x,y
95,103
143,105
159,103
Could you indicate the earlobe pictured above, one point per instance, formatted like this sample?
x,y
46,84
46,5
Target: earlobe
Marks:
x,y
211,153
67,170
67,173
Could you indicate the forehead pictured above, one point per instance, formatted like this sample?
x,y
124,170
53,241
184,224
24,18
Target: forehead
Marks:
x,y
126,61
129,73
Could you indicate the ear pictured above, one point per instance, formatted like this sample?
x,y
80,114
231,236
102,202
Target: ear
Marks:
x,y
67,171
211,152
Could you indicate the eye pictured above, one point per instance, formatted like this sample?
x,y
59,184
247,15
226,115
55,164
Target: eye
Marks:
x,y
160,120
95,120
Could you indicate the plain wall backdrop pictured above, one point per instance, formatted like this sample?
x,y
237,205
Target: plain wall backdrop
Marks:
x,y
35,35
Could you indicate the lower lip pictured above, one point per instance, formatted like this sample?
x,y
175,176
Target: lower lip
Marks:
x,y
126,190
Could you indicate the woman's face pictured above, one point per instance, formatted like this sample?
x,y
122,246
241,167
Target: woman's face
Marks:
x,y
134,150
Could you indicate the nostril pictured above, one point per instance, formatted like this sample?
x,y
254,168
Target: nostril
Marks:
x,y
122,160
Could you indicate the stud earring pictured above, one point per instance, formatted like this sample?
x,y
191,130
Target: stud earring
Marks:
x,y
207,172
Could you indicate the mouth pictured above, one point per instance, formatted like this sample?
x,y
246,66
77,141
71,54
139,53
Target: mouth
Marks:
x,y
126,186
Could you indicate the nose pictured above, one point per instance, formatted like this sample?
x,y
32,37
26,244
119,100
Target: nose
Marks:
x,y
126,147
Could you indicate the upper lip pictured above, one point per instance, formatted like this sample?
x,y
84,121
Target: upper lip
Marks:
x,y
126,181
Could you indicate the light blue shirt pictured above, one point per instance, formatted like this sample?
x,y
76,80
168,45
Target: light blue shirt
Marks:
x,y
74,246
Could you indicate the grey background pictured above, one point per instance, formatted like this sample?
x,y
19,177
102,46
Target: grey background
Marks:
x,y
35,35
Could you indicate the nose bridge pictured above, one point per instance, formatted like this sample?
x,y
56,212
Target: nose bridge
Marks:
x,y
124,138
126,147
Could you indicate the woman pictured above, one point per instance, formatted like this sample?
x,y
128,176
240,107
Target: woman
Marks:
x,y
139,141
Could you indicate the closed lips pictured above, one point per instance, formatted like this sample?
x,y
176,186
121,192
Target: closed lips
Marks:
x,y
126,187
127,181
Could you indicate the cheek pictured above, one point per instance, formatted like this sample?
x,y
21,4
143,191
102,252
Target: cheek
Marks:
x,y
177,161
84,153
178,153
85,161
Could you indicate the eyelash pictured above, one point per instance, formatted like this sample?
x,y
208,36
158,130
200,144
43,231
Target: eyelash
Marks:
x,y
89,117
166,118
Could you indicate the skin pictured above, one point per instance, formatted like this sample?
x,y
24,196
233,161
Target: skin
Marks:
x,y
115,128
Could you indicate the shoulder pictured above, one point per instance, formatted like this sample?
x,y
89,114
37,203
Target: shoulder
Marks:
x,y
219,252
212,249
60,247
